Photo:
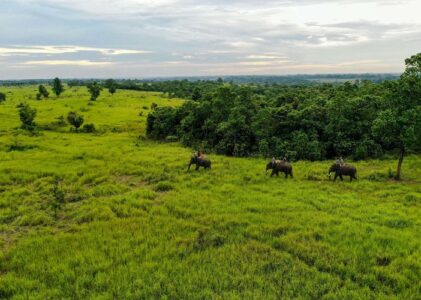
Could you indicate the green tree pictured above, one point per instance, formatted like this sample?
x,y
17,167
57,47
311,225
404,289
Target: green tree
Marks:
x,y
27,116
42,90
111,85
398,125
75,119
2,97
58,87
95,90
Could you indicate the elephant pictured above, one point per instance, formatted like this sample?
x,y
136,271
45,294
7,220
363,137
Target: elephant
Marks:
x,y
199,161
279,166
341,170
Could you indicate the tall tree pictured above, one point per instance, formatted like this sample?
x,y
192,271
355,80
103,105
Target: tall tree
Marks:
x,y
95,90
58,87
398,125
2,97
111,85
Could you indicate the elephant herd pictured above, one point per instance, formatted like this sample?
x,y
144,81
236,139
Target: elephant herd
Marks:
x,y
282,166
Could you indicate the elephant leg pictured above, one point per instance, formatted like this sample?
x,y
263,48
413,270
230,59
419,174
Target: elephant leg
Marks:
x,y
286,175
341,177
273,173
350,178
334,178
197,167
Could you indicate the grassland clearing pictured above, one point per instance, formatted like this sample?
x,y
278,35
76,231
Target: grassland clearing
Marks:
x,y
135,224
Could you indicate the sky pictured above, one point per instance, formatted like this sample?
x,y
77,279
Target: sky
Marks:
x,y
147,38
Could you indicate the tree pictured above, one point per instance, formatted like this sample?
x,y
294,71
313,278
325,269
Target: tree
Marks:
x,y
43,91
94,89
398,125
58,87
2,97
27,116
75,119
111,85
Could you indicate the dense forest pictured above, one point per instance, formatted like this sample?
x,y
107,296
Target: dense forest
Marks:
x,y
359,119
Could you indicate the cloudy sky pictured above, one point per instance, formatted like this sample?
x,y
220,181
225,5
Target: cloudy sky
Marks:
x,y
147,38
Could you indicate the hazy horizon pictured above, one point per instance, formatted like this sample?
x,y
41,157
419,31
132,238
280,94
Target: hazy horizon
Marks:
x,y
180,38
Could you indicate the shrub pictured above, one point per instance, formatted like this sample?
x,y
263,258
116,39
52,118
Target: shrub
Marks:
x,y
27,116
42,91
75,119
94,89
88,128
2,97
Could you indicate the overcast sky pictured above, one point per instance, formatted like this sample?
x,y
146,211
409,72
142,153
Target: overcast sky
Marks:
x,y
146,38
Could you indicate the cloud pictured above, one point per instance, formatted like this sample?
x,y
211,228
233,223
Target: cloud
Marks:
x,y
50,50
82,63
140,37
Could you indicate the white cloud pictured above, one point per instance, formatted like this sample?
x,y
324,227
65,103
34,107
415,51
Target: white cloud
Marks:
x,y
82,63
50,50
191,36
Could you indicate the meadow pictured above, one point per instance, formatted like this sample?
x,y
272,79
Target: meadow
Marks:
x,y
114,215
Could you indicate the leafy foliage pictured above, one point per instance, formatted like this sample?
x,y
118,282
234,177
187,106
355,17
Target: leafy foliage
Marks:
x,y
75,119
95,90
42,90
27,116
2,97
58,87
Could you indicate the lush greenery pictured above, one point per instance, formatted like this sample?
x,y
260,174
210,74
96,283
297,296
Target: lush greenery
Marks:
x,y
358,120
113,215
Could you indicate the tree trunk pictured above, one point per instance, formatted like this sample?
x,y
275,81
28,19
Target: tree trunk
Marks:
x,y
398,171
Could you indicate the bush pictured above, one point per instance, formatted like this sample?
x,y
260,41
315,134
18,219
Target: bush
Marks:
x,y
75,119
2,97
88,128
27,116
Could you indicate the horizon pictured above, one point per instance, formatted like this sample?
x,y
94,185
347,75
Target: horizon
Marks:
x,y
180,38
204,76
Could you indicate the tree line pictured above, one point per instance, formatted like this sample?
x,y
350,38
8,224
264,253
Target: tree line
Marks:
x,y
354,119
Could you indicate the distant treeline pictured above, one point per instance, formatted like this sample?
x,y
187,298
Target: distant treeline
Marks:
x,y
358,119
299,79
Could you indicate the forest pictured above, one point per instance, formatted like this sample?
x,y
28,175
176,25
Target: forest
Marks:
x,y
358,120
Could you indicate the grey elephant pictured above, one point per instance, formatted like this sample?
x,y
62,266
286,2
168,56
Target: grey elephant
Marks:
x,y
199,161
279,166
343,170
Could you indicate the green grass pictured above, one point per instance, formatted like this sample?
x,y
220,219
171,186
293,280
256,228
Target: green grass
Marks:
x,y
136,225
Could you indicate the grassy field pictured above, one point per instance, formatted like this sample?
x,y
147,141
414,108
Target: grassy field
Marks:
x,y
135,225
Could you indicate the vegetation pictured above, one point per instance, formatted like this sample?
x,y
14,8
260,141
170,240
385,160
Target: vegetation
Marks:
x,y
75,119
116,216
111,85
95,90
27,116
2,97
42,91
356,120
58,87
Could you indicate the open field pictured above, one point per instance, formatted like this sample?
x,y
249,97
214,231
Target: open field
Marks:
x,y
136,225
